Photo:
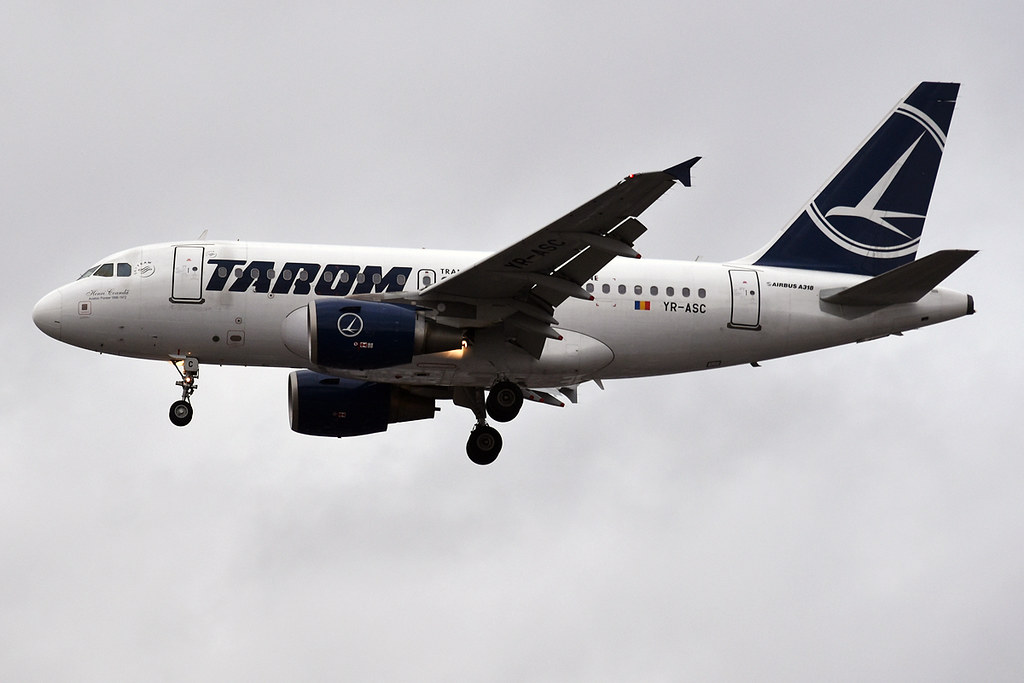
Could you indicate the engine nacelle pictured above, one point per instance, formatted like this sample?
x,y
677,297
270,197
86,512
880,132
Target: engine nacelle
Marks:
x,y
322,405
356,335
364,335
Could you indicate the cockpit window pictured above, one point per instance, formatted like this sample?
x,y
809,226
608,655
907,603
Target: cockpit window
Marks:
x,y
107,270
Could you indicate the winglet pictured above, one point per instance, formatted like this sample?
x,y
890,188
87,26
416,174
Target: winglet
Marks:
x,y
681,172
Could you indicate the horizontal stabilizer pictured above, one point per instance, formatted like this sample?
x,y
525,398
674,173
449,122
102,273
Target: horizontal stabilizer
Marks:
x,y
903,285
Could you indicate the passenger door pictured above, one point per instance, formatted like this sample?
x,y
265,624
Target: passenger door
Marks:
x,y
746,300
187,276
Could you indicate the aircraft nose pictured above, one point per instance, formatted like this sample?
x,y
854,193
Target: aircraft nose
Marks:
x,y
47,314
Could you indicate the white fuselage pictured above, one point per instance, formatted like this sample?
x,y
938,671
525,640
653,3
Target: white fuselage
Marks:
x,y
226,302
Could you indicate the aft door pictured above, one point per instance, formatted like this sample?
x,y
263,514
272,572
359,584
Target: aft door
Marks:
x,y
187,277
746,300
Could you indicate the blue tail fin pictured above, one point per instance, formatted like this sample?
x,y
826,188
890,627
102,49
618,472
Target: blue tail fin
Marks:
x,y
868,218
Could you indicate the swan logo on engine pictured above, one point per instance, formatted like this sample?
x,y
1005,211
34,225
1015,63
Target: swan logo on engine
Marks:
x,y
350,324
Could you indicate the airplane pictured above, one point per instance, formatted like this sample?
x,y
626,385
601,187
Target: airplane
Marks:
x,y
378,336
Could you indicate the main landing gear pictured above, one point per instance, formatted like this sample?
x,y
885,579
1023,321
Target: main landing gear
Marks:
x,y
504,400
181,411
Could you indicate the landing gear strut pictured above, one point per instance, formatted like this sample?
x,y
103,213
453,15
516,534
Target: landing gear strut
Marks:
x,y
181,411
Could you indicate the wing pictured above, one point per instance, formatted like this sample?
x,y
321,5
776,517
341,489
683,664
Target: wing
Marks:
x,y
520,286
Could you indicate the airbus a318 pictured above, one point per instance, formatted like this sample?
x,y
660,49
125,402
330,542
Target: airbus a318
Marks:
x,y
381,335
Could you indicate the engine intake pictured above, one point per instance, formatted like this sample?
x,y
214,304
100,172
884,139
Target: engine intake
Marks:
x,y
364,335
322,405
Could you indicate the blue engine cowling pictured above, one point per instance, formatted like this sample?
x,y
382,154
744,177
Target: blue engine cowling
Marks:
x,y
364,335
323,405
361,335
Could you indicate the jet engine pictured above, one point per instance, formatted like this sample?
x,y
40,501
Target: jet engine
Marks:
x,y
322,405
364,335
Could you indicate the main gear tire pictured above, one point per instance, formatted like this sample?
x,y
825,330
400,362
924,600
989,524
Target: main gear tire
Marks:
x,y
504,401
484,445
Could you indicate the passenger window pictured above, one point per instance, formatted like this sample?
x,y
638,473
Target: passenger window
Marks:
x,y
590,287
702,293
670,291
106,270
124,270
637,289
685,291
622,289
606,288
654,291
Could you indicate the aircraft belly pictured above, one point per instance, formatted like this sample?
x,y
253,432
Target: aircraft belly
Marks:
x,y
574,359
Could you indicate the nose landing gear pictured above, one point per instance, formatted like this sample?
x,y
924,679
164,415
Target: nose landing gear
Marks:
x,y
181,411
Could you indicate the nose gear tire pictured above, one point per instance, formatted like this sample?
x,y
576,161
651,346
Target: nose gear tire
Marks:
x,y
181,413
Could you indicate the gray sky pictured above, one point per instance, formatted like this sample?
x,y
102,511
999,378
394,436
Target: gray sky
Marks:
x,y
852,514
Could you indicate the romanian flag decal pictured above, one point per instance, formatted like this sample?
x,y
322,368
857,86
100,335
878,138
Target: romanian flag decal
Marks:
x,y
641,305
